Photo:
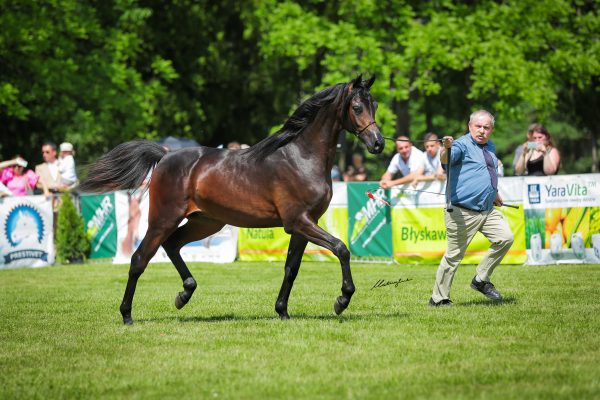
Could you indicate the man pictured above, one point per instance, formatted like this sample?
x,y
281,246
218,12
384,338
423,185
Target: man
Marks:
x,y
433,166
50,179
408,160
474,192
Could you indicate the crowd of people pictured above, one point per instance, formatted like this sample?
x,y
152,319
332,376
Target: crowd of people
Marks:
x,y
536,156
56,174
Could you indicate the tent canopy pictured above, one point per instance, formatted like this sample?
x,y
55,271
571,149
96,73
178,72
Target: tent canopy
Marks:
x,y
175,143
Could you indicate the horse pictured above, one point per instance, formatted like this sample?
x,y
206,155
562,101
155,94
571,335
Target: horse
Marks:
x,y
282,181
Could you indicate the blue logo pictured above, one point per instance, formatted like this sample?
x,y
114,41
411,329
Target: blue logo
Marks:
x,y
24,228
533,192
21,223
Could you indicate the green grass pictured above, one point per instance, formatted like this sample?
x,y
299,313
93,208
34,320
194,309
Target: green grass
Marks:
x,y
61,335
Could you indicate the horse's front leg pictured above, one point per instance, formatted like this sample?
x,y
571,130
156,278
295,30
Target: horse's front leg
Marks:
x,y
292,265
306,227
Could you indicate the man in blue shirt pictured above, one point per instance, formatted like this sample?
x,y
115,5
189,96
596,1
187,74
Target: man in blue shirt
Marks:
x,y
473,181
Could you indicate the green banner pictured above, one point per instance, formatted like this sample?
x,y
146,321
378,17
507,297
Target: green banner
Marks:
x,y
369,227
98,212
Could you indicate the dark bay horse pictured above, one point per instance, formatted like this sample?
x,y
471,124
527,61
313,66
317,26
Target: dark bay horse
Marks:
x,y
284,180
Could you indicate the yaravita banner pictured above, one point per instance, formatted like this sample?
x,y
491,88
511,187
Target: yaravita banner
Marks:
x,y
562,219
26,232
369,225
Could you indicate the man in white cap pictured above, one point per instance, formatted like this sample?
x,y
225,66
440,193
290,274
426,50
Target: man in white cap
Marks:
x,y
66,165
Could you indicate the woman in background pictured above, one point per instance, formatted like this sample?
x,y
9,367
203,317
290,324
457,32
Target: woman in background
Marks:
x,y
17,180
539,156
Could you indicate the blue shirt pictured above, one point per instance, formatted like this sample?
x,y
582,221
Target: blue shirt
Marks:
x,y
470,180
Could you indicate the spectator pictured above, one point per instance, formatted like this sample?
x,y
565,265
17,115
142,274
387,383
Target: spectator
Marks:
x,y
519,149
19,181
336,175
48,171
356,171
474,192
539,156
433,167
4,191
408,160
234,145
66,165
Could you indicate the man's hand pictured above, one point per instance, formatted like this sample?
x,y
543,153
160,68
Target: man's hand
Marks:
x,y
498,201
385,184
447,141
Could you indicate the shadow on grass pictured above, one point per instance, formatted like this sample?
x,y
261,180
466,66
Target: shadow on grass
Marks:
x,y
301,317
488,303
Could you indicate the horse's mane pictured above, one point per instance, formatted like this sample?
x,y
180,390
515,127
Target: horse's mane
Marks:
x,y
300,119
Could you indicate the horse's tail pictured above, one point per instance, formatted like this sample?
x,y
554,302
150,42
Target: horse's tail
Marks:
x,y
124,167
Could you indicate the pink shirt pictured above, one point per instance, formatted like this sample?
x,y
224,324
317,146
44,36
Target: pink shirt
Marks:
x,y
19,185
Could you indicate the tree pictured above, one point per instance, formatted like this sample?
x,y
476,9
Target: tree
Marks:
x,y
72,243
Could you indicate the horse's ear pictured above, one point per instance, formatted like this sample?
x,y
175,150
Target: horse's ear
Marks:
x,y
357,82
369,83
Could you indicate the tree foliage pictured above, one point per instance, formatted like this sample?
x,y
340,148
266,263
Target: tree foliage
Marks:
x,y
72,243
99,73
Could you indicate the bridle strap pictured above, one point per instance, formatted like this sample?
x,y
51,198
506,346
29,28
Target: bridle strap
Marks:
x,y
363,129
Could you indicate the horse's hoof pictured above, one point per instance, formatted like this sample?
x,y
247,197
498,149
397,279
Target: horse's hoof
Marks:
x,y
338,308
284,316
179,303
127,321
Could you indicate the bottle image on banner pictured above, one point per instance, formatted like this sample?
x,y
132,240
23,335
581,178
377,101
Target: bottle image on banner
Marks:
x,y
596,244
360,221
577,245
556,242
536,246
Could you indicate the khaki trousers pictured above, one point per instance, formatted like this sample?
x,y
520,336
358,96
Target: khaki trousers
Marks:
x,y
461,226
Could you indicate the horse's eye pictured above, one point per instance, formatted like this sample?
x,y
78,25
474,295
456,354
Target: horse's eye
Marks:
x,y
357,109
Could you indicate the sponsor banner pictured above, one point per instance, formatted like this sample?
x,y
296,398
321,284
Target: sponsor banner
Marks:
x,y
271,244
26,232
369,225
419,231
419,237
562,219
98,212
423,195
132,224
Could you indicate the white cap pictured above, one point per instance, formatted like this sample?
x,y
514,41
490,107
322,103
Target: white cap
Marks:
x,y
66,146
21,161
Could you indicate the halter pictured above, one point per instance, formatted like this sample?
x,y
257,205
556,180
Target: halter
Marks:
x,y
346,119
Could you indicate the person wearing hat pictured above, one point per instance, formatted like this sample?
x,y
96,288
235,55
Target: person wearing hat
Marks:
x,y
19,181
66,165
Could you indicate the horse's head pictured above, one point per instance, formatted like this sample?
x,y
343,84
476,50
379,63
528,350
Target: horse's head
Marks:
x,y
358,115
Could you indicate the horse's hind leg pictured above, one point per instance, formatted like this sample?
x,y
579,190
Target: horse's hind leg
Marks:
x,y
292,265
196,228
306,227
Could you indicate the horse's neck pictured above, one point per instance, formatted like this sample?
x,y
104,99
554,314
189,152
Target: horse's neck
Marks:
x,y
320,138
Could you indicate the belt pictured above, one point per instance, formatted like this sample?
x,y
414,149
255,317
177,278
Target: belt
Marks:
x,y
468,209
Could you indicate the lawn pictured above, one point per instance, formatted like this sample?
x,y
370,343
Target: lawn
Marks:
x,y
62,336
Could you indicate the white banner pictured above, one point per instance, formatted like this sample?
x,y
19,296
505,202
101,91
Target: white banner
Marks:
x,y
26,232
562,216
132,224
